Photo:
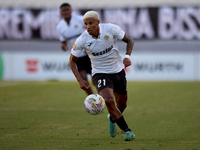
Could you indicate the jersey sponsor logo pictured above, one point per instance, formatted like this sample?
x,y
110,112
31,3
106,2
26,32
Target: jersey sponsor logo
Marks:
x,y
103,52
74,46
106,38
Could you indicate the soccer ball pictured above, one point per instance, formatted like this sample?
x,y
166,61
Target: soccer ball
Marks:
x,y
94,104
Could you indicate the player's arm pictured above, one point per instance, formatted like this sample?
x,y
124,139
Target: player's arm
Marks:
x,y
64,46
62,39
72,63
127,39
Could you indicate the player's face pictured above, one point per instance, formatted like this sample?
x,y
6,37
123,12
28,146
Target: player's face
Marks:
x,y
92,26
66,12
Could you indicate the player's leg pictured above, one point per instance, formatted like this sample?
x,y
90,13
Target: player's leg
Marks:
x,y
121,101
120,92
116,115
104,86
121,104
107,94
83,74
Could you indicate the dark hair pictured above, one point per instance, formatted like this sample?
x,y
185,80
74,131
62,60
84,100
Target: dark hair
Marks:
x,y
65,5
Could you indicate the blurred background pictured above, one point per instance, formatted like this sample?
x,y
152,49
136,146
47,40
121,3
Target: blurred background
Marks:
x,y
166,35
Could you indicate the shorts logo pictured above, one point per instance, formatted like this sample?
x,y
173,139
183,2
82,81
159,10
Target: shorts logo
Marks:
x,y
74,46
106,38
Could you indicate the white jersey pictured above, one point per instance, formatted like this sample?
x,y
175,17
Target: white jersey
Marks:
x,y
103,51
69,32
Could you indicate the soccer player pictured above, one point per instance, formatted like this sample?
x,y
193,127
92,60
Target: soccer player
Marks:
x,y
69,28
100,43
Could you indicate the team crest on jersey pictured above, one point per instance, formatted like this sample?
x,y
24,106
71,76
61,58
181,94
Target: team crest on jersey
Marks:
x,y
74,46
106,38
75,26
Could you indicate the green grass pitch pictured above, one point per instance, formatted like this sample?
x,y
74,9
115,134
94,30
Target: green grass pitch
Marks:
x,y
50,116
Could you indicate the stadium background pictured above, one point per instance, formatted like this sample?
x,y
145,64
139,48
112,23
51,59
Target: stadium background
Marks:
x,y
156,56
50,115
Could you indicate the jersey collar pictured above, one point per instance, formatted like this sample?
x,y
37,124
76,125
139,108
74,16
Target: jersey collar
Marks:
x,y
98,37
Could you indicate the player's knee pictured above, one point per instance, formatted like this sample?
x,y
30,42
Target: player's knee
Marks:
x,y
122,107
109,100
122,104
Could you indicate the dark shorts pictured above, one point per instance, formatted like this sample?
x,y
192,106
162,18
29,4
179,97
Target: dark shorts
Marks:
x,y
116,81
83,63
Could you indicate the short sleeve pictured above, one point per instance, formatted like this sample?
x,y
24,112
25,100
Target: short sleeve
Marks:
x,y
117,32
77,48
61,37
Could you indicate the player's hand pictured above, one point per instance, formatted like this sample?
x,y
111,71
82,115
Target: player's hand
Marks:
x,y
64,47
84,84
126,62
